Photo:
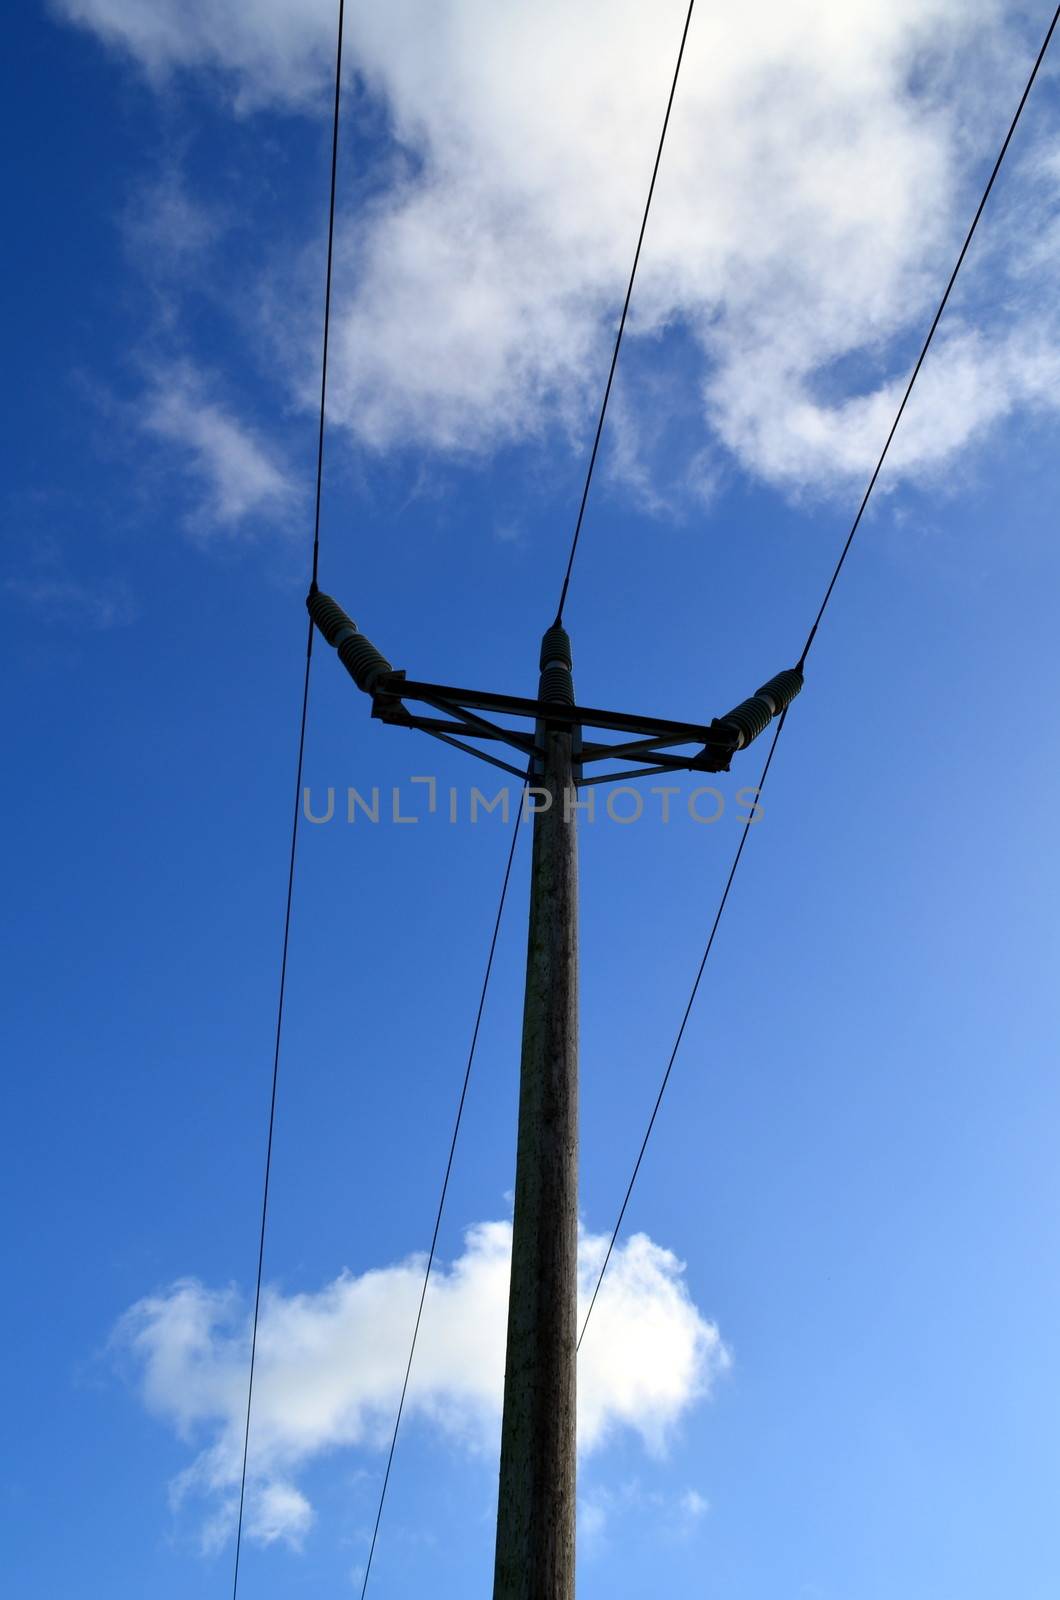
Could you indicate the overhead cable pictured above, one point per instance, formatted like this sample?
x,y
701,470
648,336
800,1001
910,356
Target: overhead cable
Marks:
x,y
805,652
294,823
621,326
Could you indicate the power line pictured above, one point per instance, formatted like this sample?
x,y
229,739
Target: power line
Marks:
x,y
806,650
294,823
681,1030
515,836
445,1187
931,333
327,291
272,1108
622,324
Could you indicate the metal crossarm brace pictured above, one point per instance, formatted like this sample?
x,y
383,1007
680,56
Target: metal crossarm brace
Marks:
x,y
655,733
656,744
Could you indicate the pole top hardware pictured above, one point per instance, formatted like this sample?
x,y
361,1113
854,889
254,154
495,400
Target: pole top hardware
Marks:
x,y
364,663
555,646
557,684
655,744
746,721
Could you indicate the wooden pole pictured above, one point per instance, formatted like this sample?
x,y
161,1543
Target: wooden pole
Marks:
x,y
535,1518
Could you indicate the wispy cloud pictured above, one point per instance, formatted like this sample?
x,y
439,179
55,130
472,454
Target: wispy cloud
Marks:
x,y
694,1505
107,603
669,1516
822,162
258,53
330,1365
166,227
45,580
642,459
236,479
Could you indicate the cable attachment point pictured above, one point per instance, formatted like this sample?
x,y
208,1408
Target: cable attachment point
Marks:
x,y
556,661
752,717
364,663
745,722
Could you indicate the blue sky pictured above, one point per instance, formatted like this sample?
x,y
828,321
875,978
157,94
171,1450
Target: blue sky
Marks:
x,y
828,1367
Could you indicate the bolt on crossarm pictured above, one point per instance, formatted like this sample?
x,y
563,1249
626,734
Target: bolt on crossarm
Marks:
x,y
536,1501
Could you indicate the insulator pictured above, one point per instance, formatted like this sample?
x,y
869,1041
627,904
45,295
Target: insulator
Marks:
x,y
749,719
752,717
782,689
556,685
364,663
555,646
329,617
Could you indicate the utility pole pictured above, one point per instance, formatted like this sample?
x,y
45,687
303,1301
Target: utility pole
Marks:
x,y
536,1505
535,1514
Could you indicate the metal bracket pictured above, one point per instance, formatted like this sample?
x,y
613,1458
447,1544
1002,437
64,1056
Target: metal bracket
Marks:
x,y
656,745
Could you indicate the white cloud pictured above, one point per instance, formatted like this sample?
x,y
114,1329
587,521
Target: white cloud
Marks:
x,y
280,1511
330,1366
260,49
969,382
822,163
592,1520
235,476
694,1505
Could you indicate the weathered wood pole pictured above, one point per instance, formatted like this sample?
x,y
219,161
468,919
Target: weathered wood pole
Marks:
x,y
535,1517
